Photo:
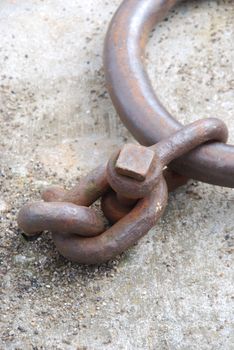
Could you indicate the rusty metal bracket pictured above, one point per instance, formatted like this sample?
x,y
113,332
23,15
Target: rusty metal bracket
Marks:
x,y
135,100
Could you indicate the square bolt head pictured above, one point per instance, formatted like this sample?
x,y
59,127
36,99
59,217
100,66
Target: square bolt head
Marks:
x,y
134,161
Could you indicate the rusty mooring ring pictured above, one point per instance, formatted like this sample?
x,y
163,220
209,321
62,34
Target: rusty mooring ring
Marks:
x,y
135,100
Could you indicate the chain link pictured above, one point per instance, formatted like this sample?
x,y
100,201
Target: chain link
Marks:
x,y
133,188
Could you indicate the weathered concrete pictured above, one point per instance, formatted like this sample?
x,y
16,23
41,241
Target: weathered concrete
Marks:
x,y
174,290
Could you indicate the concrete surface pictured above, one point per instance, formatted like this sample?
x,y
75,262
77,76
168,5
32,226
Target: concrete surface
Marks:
x,y
173,290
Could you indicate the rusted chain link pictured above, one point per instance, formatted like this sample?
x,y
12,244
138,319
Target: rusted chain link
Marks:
x,y
135,100
136,175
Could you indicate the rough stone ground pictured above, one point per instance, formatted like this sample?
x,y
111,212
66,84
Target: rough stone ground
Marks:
x,y
174,289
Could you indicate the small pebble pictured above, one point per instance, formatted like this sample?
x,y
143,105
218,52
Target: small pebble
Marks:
x,y
4,206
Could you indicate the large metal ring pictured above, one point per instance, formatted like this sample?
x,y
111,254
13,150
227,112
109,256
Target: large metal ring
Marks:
x,y
135,100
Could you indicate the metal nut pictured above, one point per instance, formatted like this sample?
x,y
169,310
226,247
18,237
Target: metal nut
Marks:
x,y
134,161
